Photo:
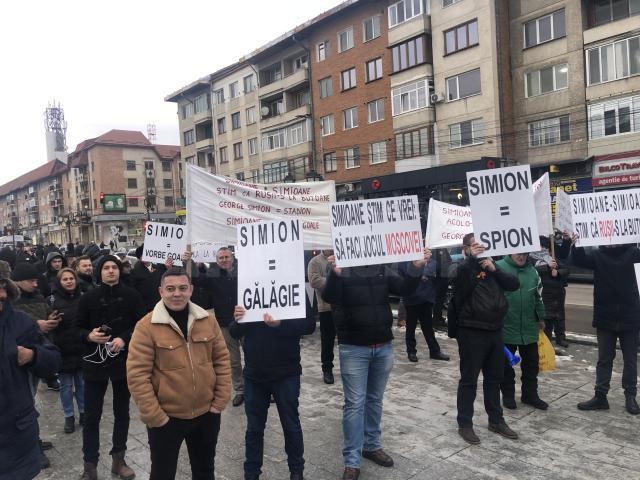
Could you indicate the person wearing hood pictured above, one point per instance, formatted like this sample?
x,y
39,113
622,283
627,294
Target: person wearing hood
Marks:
x,y
145,279
53,264
68,338
25,254
84,271
616,316
24,352
108,313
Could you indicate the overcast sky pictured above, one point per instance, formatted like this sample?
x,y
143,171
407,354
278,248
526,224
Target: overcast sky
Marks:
x,y
110,64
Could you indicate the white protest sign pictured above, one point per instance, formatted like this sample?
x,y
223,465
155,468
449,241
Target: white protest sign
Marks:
x,y
564,220
606,218
271,270
216,205
162,241
205,252
503,210
381,230
447,224
542,200
636,266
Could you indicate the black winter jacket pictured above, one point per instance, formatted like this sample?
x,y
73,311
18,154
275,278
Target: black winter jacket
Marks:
x,y
85,282
67,336
146,283
117,306
359,300
272,353
616,305
222,289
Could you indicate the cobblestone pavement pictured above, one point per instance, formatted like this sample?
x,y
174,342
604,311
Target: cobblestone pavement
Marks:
x,y
419,429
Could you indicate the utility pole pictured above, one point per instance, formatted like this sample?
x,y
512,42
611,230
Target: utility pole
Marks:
x,y
150,196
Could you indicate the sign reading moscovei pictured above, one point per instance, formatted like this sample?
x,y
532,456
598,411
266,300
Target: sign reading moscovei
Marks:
x,y
382,230
503,211
216,205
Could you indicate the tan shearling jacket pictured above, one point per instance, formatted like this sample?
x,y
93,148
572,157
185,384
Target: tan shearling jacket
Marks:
x,y
169,376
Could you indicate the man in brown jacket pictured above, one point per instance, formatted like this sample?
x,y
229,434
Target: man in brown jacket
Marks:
x,y
180,378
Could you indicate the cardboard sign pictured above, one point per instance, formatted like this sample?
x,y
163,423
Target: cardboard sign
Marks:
x,y
381,230
542,200
503,210
216,205
447,224
564,220
162,241
606,218
205,252
271,270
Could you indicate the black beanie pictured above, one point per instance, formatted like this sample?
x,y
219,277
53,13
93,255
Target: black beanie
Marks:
x,y
24,271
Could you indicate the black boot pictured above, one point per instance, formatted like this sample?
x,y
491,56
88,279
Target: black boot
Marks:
x,y
562,342
631,405
81,420
69,424
598,402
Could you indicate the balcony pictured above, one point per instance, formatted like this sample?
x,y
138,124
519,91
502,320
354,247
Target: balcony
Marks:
x,y
204,144
297,113
297,78
409,29
202,117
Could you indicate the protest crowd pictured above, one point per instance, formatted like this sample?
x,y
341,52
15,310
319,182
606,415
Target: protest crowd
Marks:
x,y
180,336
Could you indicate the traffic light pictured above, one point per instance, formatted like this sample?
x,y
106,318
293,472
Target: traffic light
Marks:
x,y
102,198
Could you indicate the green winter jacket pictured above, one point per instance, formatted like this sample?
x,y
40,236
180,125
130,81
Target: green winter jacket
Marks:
x,y
526,309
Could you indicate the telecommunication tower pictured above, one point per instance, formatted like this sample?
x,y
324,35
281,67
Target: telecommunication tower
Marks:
x,y
56,132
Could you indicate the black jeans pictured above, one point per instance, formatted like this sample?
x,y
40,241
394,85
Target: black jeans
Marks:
x,y
420,313
607,352
201,435
555,322
256,405
327,340
529,368
441,286
93,402
480,351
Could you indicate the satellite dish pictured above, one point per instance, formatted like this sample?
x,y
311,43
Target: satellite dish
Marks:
x,y
264,111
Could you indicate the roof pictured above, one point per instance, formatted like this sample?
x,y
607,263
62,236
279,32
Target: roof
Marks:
x,y
191,88
167,151
49,169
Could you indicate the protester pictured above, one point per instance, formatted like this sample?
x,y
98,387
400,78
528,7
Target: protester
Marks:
x,y
145,279
69,255
25,254
359,298
522,324
479,306
84,271
23,352
317,271
8,255
272,368
114,308
68,338
441,281
419,307
616,315
180,391
47,281
125,277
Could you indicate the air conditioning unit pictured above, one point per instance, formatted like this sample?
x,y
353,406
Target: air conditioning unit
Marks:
x,y
437,97
349,187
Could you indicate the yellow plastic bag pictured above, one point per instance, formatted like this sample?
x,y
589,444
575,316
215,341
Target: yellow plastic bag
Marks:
x,y
546,354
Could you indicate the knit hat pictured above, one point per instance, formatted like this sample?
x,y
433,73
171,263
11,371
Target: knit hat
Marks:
x,y
24,271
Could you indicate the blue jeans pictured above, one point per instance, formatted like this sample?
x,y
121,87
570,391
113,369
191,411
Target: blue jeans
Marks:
x,y
67,382
364,371
257,397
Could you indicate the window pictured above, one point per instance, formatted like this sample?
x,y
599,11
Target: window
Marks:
x,y
409,97
297,133
222,125
133,202
273,140
415,143
350,118
461,37
615,117
132,183
300,62
131,165
352,157
373,69
327,126
202,103
240,176
190,159
326,87
348,79
463,85
188,137
249,84
605,11
235,120
275,172
252,146
187,110
408,54
376,110
548,132
233,90
167,184
549,79
544,29
148,164
371,28
614,61
465,134
403,11
255,175
237,151
345,40
321,50
447,3
251,115
218,95
330,163
166,165
168,201
223,155
378,152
